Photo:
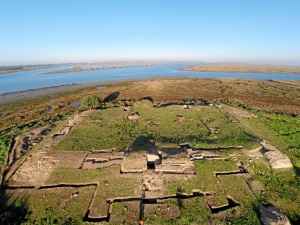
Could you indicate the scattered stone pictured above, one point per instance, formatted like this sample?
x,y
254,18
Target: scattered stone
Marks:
x,y
134,116
275,158
272,216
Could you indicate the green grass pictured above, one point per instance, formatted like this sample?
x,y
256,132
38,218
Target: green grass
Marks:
x,y
282,188
111,184
61,175
287,130
204,180
107,128
58,208
124,213
236,186
3,151
282,185
47,207
106,132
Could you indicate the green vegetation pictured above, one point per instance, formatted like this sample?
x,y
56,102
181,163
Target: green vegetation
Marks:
x,y
75,175
90,102
201,126
191,210
169,126
282,187
205,179
287,129
59,207
3,151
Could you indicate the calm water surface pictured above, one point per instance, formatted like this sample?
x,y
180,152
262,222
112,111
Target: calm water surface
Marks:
x,y
34,79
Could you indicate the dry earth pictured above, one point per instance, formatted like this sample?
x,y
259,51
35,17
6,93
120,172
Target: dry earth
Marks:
x,y
245,68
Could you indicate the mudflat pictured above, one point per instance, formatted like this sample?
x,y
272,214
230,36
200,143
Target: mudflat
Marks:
x,y
245,68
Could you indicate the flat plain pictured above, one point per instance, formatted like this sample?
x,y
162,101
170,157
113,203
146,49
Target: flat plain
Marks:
x,y
246,68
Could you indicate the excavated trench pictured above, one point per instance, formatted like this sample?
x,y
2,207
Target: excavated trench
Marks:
x,y
143,201
231,204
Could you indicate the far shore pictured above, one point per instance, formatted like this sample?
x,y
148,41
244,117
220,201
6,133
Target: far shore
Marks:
x,y
38,92
245,68
22,68
81,68
33,93
277,96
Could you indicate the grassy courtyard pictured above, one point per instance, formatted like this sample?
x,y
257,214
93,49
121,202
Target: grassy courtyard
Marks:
x,y
170,125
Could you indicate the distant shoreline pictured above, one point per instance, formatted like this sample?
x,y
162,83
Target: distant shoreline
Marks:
x,y
82,68
244,68
31,93
38,92
280,96
15,69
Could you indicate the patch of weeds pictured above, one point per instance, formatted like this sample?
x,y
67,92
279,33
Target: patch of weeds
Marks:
x,y
249,216
281,188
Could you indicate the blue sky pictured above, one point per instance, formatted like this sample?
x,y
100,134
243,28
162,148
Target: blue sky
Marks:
x,y
57,31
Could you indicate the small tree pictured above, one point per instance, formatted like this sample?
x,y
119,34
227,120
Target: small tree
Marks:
x,y
91,102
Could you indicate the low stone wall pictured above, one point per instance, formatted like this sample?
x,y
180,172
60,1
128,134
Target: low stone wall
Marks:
x,y
231,204
166,171
19,186
97,160
123,199
103,151
229,172
68,185
220,148
123,170
11,173
75,185
232,119
93,198
89,218
130,111
157,105
195,193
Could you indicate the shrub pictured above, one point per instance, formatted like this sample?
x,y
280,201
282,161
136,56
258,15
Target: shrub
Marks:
x,y
90,102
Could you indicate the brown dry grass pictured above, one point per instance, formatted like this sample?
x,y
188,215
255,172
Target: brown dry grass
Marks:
x,y
245,68
274,96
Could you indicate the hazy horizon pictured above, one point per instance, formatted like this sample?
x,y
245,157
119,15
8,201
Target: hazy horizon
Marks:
x,y
253,32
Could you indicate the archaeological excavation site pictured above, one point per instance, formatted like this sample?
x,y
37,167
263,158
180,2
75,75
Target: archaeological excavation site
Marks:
x,y
193,161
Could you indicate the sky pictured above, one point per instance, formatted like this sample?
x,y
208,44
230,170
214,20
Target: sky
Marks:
x,y
64,31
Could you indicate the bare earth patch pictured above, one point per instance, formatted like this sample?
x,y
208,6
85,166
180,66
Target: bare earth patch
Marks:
x,y
238,112
68,159
35,171
27,141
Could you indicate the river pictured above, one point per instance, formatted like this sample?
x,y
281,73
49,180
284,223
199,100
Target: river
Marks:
x,y
34,79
